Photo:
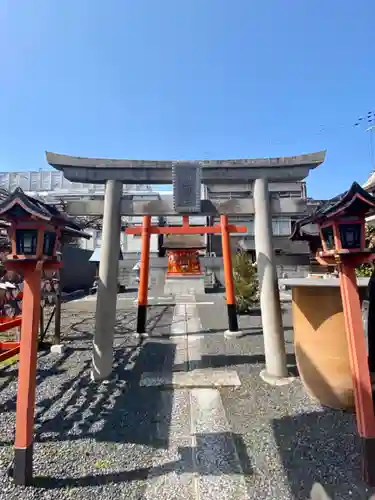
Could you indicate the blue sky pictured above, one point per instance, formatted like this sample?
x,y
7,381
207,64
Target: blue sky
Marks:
x,y
188,79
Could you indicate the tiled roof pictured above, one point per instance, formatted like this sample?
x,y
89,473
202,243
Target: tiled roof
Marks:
x,y
348,200
18,202
21,201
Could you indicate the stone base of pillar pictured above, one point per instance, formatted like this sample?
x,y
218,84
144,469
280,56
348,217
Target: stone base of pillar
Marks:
x,y
142,334
228,334
103,381
57,349
274,380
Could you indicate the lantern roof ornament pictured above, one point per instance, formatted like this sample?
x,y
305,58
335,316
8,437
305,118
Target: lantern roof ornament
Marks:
x,y
19,204
353,202
34,229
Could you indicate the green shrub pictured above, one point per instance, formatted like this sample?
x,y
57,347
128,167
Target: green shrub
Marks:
x,y
366,270
246,284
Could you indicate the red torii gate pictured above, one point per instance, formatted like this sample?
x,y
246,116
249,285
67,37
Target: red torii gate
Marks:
x,y
224,228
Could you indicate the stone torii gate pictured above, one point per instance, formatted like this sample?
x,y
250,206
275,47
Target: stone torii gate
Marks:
x,y
113,173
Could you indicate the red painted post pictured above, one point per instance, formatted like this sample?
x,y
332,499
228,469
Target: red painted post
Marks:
x,y
228,275
364,404
23,456
144,275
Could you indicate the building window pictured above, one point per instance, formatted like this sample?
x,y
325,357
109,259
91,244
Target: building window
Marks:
x,y
242,221
281,226
289,194
233,219
250,227
97,238
229,195
56,180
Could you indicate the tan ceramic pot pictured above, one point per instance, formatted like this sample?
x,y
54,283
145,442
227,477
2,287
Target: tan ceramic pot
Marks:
x,y
321,347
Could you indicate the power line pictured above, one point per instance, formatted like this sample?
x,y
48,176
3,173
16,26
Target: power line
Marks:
x,y
366,120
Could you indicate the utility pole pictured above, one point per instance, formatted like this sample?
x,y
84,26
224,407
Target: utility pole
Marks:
x,y
369,122
371,130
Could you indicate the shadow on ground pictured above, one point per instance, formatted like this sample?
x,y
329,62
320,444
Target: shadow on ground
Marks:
x,y
191,460
321,446
115,414
232,360
318,447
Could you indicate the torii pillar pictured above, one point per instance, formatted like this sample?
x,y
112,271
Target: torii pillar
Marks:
x,y
273,333
107,286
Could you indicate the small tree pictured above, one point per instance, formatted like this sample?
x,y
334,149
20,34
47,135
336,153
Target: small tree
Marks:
x,y
246,284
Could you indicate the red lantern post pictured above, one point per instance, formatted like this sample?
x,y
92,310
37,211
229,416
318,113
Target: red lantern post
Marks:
x,y
34,231
341,225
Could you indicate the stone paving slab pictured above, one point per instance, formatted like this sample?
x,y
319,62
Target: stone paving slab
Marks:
x,y
172,475
191,379
220,474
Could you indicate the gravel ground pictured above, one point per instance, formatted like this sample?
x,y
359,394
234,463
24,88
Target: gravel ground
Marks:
x,y
115,440
285,440
92,441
